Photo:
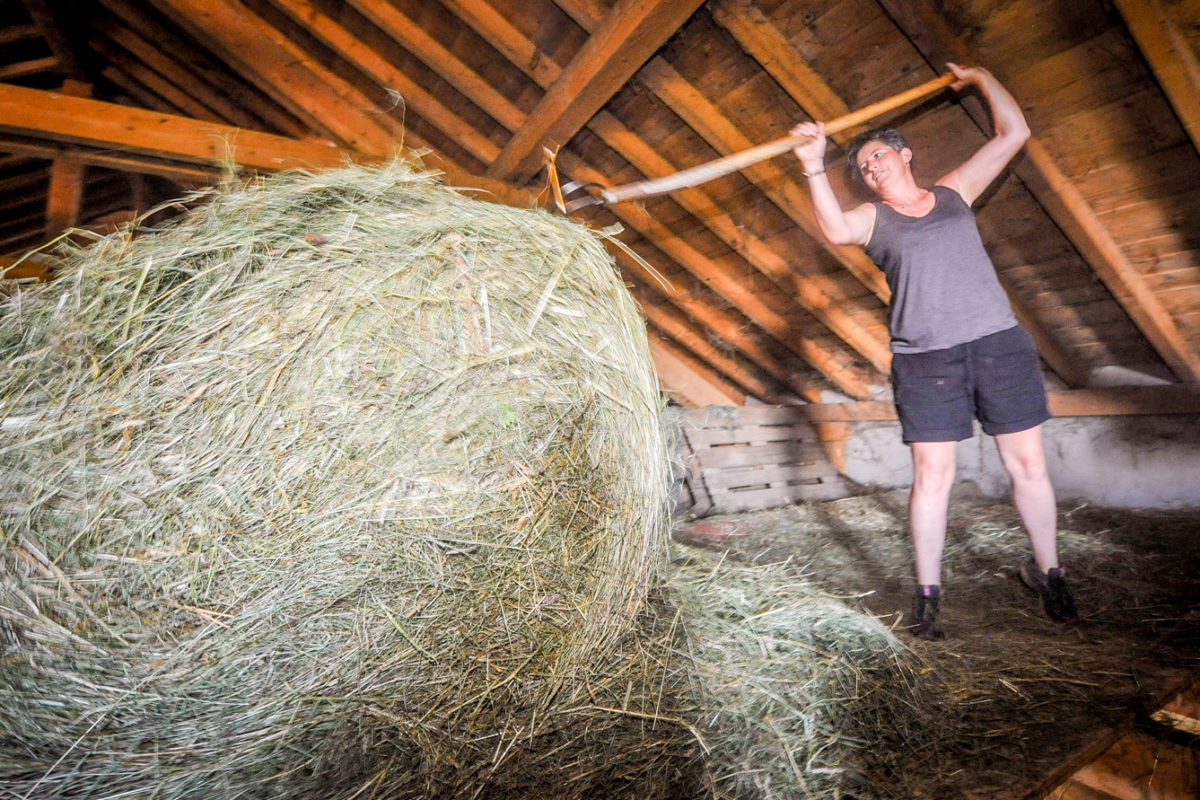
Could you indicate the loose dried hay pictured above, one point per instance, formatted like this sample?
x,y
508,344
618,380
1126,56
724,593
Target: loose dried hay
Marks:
x,y
794,684
344,485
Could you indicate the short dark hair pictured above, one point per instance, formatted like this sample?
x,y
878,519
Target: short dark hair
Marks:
x,y
889,136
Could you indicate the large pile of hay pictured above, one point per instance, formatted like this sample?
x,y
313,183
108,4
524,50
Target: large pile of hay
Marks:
x,y
343,485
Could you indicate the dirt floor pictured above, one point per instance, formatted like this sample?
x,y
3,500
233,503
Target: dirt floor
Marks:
x,y
1016,698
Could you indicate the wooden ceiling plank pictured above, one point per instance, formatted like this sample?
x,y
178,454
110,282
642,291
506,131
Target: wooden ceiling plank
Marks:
x,y
416,98
1064,203
409,35
23,69
627,37
118,41
287,73
1171,57
763,42
778,324
502,35
175,98
731,327
204,70
674,326
688,381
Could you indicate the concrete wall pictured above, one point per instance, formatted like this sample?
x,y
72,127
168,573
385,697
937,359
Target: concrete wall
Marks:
x,y
1120,462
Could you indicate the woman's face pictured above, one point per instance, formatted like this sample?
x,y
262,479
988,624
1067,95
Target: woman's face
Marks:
x,y
880,166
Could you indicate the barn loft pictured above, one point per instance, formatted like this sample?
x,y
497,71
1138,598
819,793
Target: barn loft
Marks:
x,y
111,110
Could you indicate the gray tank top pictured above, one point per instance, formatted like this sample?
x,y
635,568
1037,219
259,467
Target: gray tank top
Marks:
x,y
944,287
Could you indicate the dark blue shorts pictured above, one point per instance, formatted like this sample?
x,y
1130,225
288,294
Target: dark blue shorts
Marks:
x,y
996,379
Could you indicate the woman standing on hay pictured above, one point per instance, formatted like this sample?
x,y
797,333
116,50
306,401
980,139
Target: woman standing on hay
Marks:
x,y
958,351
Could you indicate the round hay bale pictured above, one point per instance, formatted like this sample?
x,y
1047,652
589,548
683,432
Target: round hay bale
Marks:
x,y
341,485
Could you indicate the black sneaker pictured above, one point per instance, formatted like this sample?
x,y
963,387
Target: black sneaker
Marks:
x,y
1054,598
926,608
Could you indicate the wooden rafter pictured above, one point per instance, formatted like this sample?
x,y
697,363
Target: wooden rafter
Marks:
x,y
157,71
1173,59
676,327
764,42
201,69
729,325
416,98
49,24
413,38
55,117
688,380
1063,201
288,74
629,34
811,292
138,79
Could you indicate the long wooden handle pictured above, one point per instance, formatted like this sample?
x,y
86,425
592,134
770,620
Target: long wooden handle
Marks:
x,y
702,173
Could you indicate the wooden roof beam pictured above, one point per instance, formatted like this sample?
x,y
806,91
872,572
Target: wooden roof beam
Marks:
x,y
287,73
409,35
627,37
730,326
202,69
1171,57
416,98
674,326
58,118
1060,198
60,41
689,381
56,123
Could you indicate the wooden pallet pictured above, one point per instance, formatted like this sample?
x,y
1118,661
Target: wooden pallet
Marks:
x,y
750,458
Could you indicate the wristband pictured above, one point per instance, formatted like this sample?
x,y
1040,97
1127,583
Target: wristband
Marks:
x,y
821,171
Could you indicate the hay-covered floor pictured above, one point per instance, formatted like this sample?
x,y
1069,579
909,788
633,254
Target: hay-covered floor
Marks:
x,y
1007,698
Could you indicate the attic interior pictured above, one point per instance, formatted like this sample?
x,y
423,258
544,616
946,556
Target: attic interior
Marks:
x,y
112,110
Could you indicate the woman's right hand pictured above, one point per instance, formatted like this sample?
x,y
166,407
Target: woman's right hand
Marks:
x,y
812,152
